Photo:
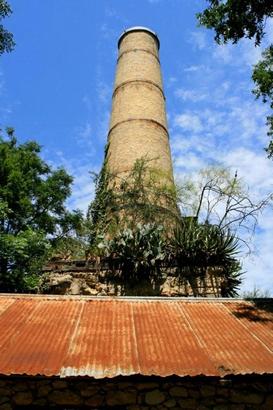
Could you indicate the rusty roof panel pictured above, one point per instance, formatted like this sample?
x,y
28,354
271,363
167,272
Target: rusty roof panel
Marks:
x,y
231,346
103,343
96,337
166,344
259,322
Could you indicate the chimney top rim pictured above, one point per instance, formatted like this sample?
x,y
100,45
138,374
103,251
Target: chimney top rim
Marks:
x,y
139,28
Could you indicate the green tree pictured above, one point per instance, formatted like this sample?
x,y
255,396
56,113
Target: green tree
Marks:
x,y
6,38
263,79
233,20
33,216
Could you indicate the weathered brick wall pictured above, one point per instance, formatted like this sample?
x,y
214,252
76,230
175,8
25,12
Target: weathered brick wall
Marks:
x,y
138,393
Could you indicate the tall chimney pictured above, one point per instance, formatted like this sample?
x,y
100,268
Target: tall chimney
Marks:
x,y
138,126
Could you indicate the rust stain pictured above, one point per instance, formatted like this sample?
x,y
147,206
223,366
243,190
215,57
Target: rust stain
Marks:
x,y
66,336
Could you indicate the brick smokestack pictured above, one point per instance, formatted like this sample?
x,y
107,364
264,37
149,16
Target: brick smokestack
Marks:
x,y
138,126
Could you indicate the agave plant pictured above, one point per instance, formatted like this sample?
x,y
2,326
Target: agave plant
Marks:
x,y
197,247
137,252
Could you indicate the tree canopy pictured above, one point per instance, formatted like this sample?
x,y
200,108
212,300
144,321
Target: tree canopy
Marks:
x,y
233,20
33,215
6,38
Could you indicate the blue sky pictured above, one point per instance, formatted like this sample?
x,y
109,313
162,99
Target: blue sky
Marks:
x,y
56,86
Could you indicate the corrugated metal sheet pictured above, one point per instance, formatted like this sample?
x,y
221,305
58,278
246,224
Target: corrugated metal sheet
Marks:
x,y
96,337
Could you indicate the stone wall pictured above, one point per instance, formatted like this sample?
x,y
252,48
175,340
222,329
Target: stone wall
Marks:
x,y
66,278
136,393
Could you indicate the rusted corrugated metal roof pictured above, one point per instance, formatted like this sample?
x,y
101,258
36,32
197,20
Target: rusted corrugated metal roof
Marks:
x,y
104,337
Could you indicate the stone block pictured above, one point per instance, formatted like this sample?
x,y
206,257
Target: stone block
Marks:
x,y
124,385
120,398
187,403
194,393
3,399
209,401
59,384
154,397
222,391
268,404
65,397
238,407
146,386
221,407
4,391
136,407
89,391
82,385
43,390
246,397
178,391
21,386
95,401
6,406
39,403
207,391
170,403
43,382
23,398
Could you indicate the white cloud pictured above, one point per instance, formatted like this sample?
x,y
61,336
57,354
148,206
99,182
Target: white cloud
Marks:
x,y
104,92
190,95
86,131
107,31
243,54
253,166
80,169
83,189
171,80
189,122
87,102
188,163
223,53
258,266
198,39
268,31
2,82
193,68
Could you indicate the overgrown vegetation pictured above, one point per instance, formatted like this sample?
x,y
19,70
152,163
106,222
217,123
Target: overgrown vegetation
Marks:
x,y
136,254
134,223
124,201
203,256
99,215
146,235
